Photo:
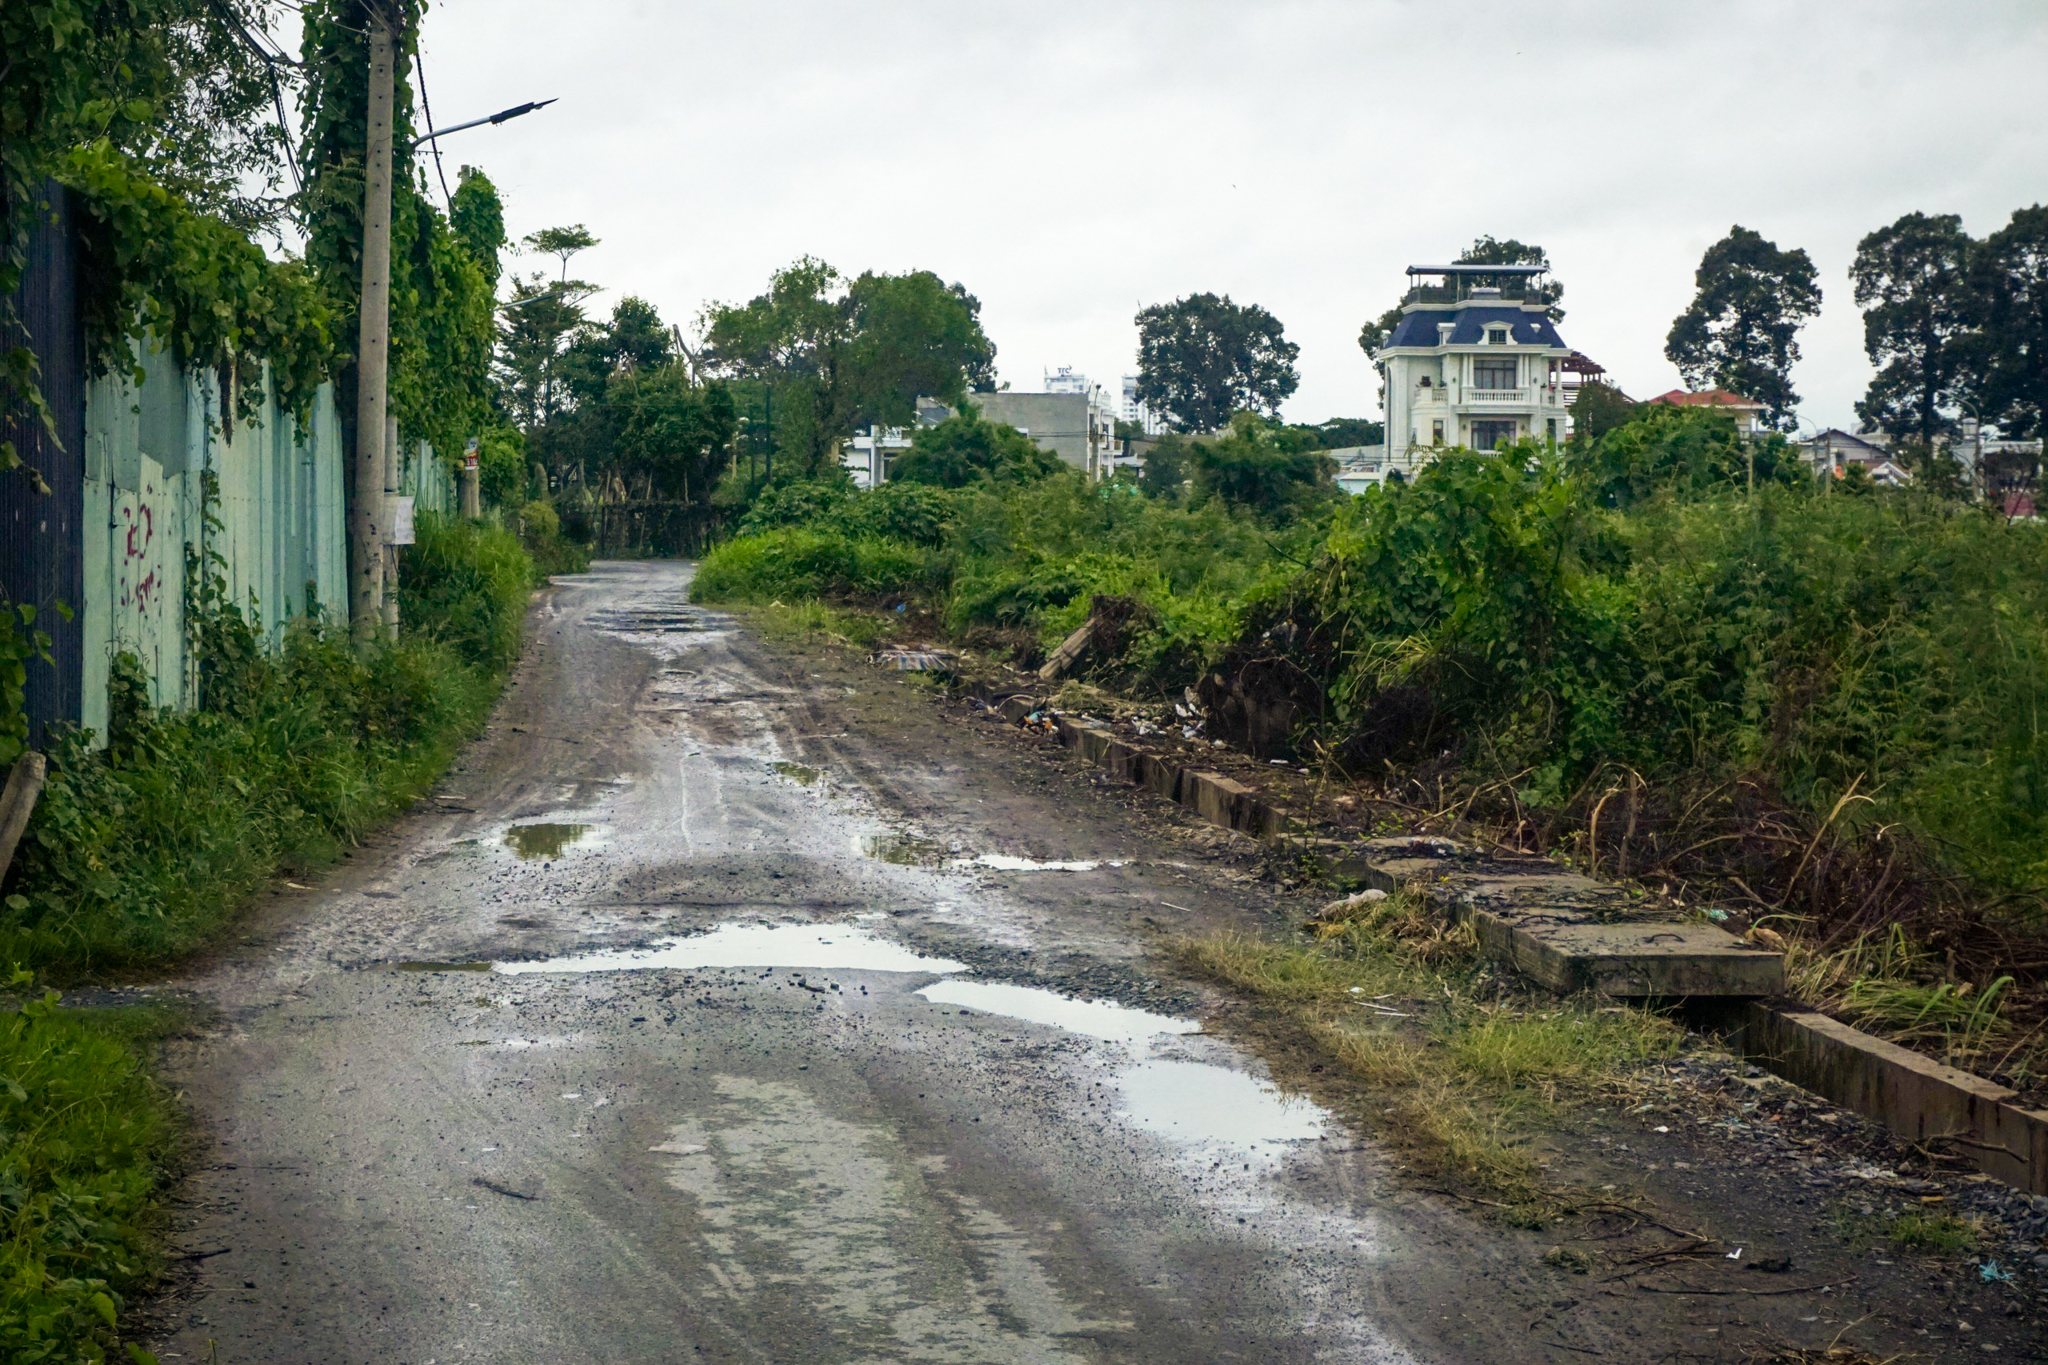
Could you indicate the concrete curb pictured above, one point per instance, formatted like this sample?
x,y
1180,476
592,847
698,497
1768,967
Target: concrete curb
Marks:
x,y
1916,1097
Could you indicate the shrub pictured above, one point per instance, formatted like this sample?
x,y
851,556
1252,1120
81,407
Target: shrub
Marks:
x,y
789,564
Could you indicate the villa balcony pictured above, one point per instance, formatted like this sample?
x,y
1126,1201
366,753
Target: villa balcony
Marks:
x,y
1500,398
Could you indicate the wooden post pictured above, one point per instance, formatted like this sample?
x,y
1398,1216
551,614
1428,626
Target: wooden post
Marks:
x,y
24,785
366,517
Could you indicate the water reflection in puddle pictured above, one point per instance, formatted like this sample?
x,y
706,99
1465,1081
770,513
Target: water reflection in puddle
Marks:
x,y
1104,1019
825,947
544,839
1203,1104
1003,862
1195,1104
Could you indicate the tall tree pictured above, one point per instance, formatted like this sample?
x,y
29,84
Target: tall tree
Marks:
x,y
2010,284
1912,282
477,218
1742,330
1202,358
967,448
837,353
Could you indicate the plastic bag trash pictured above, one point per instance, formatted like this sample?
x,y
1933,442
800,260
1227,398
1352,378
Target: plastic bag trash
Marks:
x,y
1991,1272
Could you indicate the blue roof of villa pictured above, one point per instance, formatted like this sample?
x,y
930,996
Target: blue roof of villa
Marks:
x,y
1419,327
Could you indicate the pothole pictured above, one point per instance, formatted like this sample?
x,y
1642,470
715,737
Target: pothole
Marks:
x,y
823,947
544,839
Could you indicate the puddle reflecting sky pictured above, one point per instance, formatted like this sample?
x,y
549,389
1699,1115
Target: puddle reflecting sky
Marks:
x,y
1104,1019
1194,1104
847,947
1003,862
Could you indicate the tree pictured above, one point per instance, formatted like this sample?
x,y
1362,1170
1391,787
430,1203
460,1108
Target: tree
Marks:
x,y
1247,466
672,432
1912,282
845,353
535,325
1598,409
1202,357
561,242
2010,355
477,218
1165,472
1741,332
967,448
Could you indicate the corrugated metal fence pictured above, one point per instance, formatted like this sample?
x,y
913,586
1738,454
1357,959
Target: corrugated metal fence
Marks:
x,y
111,538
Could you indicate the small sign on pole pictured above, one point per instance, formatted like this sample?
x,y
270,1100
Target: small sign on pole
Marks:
x,y
469,454
401,521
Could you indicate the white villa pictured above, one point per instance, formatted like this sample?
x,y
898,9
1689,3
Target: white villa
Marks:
x,y
1475,361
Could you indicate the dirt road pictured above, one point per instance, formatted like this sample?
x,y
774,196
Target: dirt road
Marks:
x,y
724,1010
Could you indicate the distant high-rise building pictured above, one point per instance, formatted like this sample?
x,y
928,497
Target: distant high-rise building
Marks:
x,y
1131,410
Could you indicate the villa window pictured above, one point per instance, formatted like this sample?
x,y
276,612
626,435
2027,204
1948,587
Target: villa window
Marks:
x,y
1492,435
1436,432
1496,336
1493,374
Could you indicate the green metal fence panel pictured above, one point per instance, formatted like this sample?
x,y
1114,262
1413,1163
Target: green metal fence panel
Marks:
x,y
279,525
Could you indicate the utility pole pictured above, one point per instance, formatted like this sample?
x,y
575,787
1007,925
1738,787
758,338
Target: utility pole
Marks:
x,y
366,550
392,474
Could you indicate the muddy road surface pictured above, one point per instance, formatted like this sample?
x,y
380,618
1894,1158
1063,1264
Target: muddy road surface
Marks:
x,y
718,1009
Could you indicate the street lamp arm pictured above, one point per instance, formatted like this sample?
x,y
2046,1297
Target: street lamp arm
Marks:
x,y
501,116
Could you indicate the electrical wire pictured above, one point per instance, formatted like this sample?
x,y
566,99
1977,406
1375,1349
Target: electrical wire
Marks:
x,y
427,109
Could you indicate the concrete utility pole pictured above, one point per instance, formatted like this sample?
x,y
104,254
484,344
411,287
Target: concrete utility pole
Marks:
x,y
366,550
392,474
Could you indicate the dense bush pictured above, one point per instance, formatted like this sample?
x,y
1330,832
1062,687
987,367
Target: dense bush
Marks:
x,y
83,1136
792,563
141,851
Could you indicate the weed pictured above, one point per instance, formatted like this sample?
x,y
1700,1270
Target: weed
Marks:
x,y
1936,1232
1383,988
83,1136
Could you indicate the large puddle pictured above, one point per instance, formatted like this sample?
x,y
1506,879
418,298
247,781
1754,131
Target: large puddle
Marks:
x,y
847,947
1104,1019
1199,1105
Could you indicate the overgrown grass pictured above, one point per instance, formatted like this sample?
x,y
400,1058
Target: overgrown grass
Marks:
x,y
84,1139
1385,990
139,852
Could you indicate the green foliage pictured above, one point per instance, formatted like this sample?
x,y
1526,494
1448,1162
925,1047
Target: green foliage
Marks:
x,y
152,265
83,1137
672,432
967,448
792,563
1598,409
849,353
1248,466
22,645
1670,451
797,502
1202,358
1741,332
2009,283
139,853
1912,283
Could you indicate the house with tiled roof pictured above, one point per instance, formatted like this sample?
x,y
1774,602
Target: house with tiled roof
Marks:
x,y
1474,361
1836,452
1748,413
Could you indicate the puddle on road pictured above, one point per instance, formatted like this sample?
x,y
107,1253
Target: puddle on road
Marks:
x,y
912,850
904,850
798,773
1193,1104
1104,1019
824,947
444,966
1003,862
1205,1105
543,840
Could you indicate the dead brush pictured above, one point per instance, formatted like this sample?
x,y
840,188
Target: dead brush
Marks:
x,y
1890,984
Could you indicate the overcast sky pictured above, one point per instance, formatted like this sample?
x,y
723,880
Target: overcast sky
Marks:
x,y
1070,163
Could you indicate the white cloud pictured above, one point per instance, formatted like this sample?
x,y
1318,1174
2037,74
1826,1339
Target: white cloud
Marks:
x,y
1070,163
